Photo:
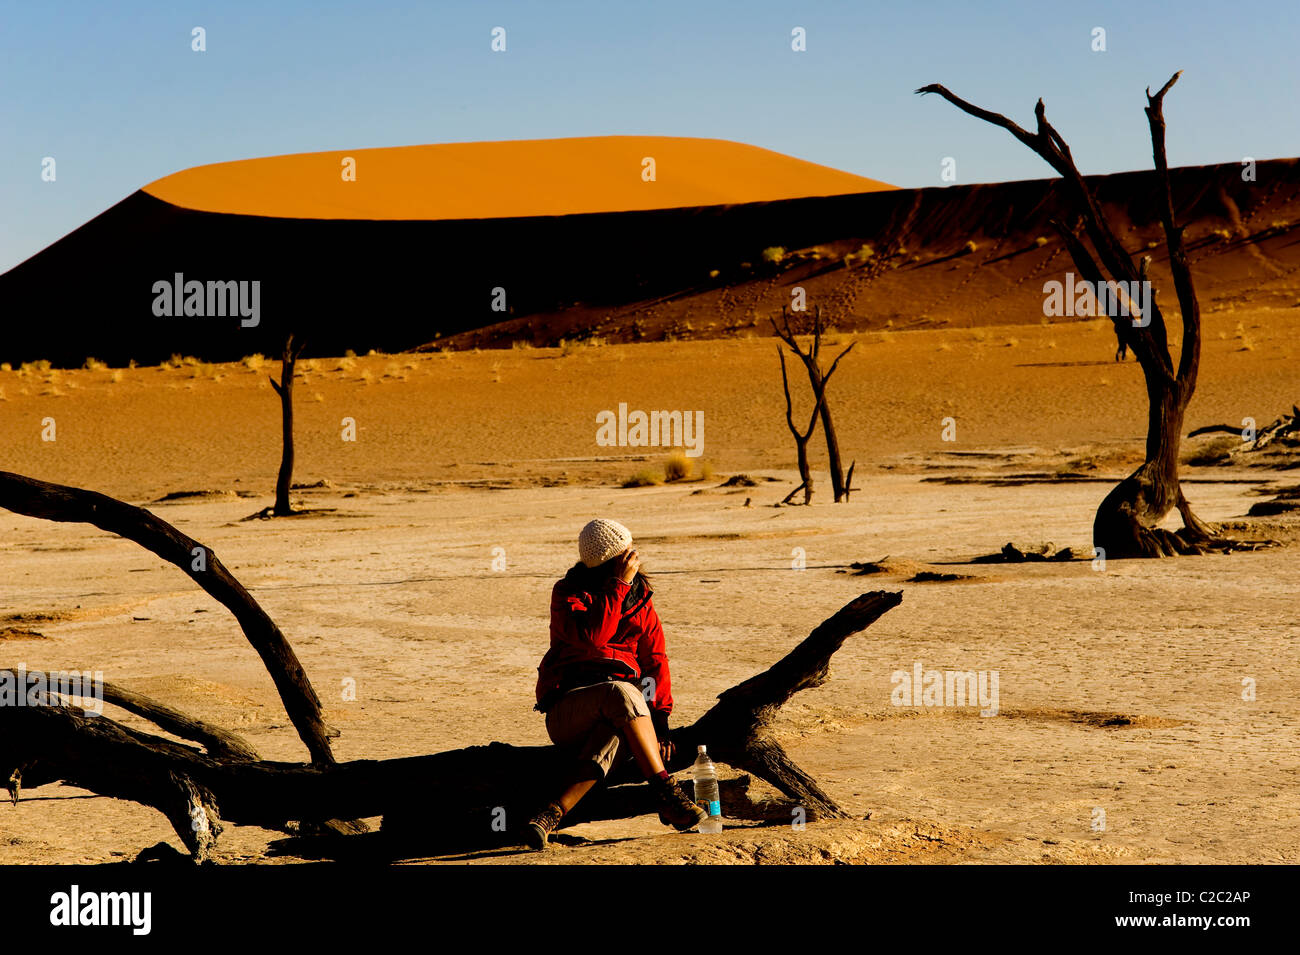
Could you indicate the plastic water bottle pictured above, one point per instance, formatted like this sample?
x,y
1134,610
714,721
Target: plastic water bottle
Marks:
x,y
706,791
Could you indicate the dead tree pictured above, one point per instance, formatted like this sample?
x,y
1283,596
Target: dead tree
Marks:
x,y
1126,523
819,380
1286,428
284,388
467,791
800,438
56,502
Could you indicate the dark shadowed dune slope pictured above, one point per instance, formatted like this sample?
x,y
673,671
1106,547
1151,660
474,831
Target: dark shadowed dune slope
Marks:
x,y
955,255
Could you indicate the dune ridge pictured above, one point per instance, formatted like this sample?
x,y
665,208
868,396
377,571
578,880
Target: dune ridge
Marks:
x,y
505,179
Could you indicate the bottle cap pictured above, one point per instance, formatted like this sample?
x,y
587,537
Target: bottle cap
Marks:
x,y
703,751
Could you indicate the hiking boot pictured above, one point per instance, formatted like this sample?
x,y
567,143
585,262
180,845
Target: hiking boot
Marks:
x,y
538,831
677,809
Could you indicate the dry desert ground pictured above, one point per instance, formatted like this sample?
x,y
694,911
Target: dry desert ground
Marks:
x,y
1121,690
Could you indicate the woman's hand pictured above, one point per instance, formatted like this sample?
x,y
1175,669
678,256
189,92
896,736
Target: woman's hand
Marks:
x,y
628,564
666,751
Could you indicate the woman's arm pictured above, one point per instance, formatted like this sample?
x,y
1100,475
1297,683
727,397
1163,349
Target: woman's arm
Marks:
x,y
652,657
591,624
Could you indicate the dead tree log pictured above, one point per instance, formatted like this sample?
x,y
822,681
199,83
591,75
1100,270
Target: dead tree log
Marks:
x,y
1126,523
1285,427
56,502
473,797
819,379
284,388
800,437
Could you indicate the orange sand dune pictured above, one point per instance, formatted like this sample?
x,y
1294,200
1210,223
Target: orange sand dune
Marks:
x,y
539,177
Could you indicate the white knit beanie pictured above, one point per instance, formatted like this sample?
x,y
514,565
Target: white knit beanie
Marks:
x,y
600,540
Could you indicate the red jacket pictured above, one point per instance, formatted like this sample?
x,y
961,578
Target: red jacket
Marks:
x,y
592,632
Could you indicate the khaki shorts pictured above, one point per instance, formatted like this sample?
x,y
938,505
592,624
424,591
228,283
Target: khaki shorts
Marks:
x,y
589,718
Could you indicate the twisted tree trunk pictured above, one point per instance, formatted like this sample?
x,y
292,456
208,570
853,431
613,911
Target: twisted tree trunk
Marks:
x,y
1126,523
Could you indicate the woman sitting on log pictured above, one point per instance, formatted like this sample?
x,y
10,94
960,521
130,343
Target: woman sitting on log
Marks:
x,y
606,639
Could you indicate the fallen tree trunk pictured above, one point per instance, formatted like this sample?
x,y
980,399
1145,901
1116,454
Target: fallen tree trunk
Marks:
x,y
56,502
474,797
477,796
1287,426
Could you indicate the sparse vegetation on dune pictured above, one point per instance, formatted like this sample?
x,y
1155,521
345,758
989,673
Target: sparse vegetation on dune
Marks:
x,y
644,478
678,467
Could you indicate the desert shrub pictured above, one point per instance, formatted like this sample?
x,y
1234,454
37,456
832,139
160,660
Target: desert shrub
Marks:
x,y
678,467
774,254
644,478
254,362
94,364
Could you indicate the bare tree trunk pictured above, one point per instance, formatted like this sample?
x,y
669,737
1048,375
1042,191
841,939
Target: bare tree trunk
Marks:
x,y
284,388
1126,523
819,381
800,438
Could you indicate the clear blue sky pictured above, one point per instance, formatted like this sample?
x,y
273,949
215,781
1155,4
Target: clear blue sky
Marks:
x,y
114,93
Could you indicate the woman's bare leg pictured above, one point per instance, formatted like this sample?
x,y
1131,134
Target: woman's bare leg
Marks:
x,y
569,798
639,734
641,739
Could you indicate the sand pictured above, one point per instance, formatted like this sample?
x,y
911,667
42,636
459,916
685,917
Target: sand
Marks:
x,y
540,177
1120,690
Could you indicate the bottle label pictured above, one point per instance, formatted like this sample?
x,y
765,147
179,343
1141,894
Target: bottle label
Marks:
x,y
715,808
